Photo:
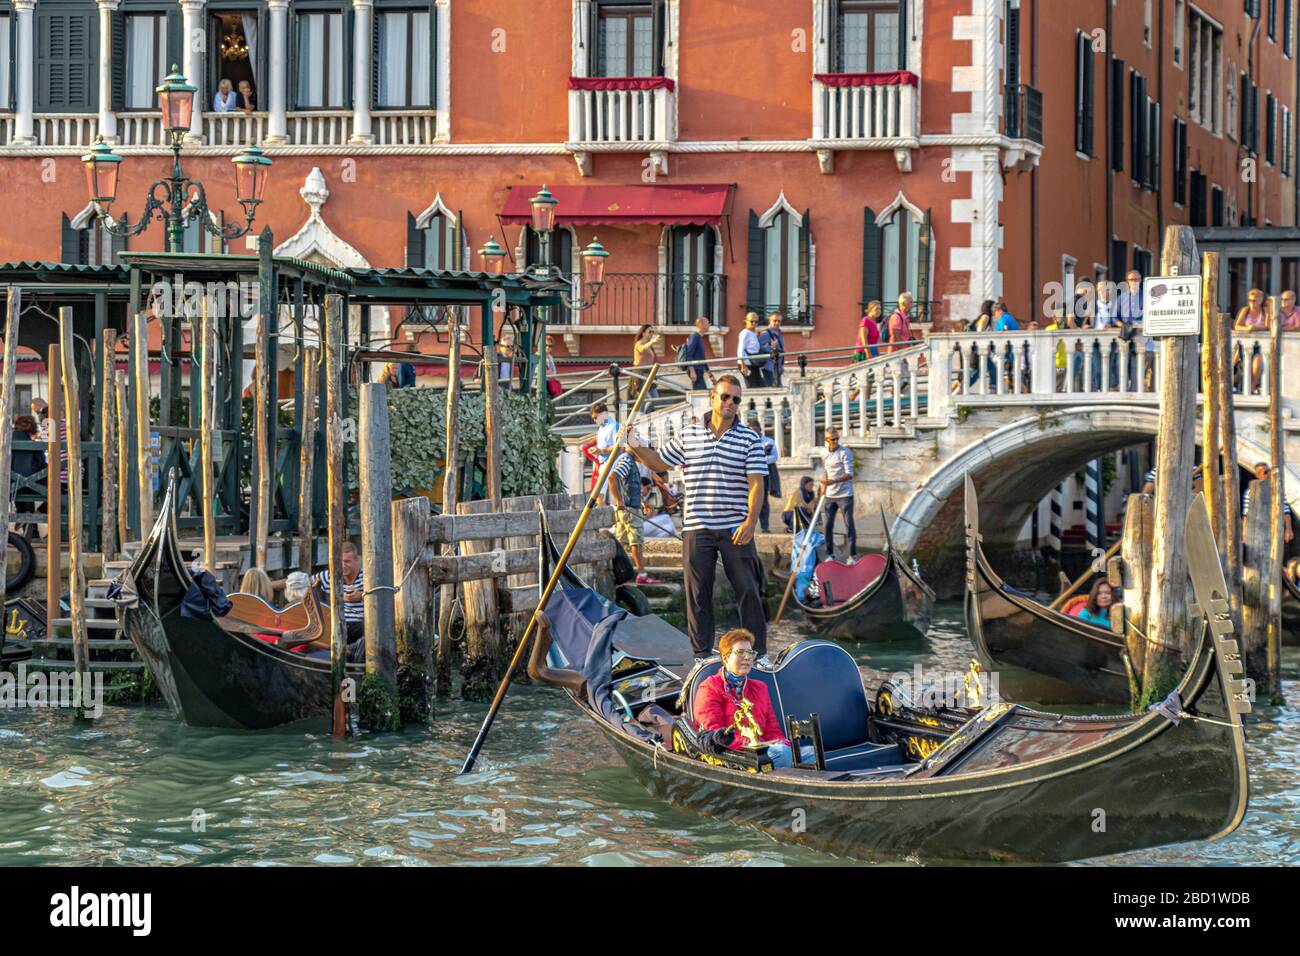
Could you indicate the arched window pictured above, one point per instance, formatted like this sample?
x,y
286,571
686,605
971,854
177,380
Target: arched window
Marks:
x,y
896,255
780,256
435,239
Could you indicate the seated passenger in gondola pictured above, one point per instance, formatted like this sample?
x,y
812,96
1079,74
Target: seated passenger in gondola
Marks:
x,y
1100,600
730,701
352,596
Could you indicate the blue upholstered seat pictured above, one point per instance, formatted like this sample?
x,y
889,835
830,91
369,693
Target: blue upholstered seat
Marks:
x,y
816,677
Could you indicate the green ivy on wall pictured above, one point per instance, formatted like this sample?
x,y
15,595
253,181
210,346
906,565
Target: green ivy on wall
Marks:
x,y
417,428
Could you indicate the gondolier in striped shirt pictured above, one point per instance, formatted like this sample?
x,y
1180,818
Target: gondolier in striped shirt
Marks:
x,y
723,464
352,597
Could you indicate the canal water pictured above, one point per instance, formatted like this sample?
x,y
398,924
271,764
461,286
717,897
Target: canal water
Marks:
x,y
138,787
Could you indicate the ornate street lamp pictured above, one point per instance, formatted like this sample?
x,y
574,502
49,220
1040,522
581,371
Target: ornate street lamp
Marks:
x,y
544,207
493,257
175,197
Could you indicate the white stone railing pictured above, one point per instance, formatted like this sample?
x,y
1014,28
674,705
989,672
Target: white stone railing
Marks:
x,y
235,128
66,129
617,116
404,127
6,128
863,111
988,368
319,127
870,395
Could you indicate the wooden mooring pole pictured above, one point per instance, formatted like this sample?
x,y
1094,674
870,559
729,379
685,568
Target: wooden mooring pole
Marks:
x,y
336,483
450,496
123,456
1211,369
13,307
307,457
207,424
53,493
109,543
1277,481
1230,546
144,450
1169,633
76,559
1139,525
378,706
264,470
413,609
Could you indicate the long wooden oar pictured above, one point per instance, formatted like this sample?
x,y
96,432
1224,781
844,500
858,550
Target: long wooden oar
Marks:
x,y
803,546
1065,595
556,572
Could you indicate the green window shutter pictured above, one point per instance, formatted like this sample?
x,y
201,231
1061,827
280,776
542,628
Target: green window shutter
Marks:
x,y
658,36
70,243
374,66
293,61
117,244
871,284
458,253
923,271
754,277
902,34
805,265
414,243
117,19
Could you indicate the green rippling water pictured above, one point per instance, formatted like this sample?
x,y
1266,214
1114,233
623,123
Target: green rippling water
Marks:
x,y
137,787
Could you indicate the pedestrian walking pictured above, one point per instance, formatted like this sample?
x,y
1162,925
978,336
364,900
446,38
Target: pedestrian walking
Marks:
x,y
900,324
693,351
869,332
772,344
748,352
645,354
837,488
723,465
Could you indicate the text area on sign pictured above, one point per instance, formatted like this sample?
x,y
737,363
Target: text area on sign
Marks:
x,y
1171,305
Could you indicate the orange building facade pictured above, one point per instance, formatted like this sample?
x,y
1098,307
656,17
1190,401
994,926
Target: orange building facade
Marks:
x,y
957,149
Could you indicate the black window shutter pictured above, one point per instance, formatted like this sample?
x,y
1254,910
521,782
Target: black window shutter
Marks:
x,y
1078,91
1180,161
1135,99
414,243
1254,119
1118,259
596,63
293,61
116,244
374,67
754,277
1153,124
458,238
70,243
1216,206
1272,19
658,36
1117,115
1013,47
175,47
1088,86
433,55
805,266
902,34
870,257
117,20
13,62
1243,105
349,44
1270,129
262,91
922,291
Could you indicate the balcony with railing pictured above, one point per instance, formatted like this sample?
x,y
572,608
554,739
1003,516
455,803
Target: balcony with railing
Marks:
x,y
1024,126
629,300
865,111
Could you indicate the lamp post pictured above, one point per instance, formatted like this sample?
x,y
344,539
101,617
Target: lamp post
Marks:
x,y
174,197
544,207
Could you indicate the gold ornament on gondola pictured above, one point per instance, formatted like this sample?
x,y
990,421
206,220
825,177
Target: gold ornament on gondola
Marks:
x,y
746,724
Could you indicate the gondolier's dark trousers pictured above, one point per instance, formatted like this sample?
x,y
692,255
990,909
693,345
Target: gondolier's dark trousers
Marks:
x,y
845,507
700,552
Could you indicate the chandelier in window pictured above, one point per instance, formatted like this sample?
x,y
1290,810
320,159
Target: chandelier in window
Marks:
x,y
233,46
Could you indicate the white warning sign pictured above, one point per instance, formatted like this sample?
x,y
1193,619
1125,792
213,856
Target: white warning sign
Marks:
x,y
1171,305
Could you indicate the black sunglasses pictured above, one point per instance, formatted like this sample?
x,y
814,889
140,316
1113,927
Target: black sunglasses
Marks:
x,y
726,397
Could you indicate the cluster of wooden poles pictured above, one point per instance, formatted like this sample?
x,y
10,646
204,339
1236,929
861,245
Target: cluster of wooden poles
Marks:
x,y
1153,566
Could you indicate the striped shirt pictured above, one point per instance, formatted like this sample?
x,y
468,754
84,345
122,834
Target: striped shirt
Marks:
x,y
1245,504
626,471
353,611
717,473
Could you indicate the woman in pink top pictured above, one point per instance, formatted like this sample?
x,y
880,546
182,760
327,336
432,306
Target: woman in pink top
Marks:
x,y
1251,318
869,332
900,327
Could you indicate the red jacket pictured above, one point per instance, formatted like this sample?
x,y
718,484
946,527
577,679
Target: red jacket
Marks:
x,y
715,709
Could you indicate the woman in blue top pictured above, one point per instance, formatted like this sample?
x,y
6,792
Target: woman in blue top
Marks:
x,y
1100,599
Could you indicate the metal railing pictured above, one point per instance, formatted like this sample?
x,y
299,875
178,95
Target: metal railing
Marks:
x,y
1024,108
633,299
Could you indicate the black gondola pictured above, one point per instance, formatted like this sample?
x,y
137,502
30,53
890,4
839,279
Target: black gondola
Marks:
x,y
211,676
1000,783
887,598
1290,611
1011,628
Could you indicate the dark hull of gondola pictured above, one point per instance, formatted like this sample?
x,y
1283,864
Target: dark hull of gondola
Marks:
x,y
1108,785
1290,611
897,605
1009,628
211,677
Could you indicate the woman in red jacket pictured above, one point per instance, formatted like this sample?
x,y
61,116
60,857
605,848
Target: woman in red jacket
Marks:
x,y
729,700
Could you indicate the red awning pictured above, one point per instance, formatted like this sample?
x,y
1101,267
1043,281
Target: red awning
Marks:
x,y
700,205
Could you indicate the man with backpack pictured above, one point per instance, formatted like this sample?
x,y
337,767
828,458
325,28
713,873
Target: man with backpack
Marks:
x,y
693,351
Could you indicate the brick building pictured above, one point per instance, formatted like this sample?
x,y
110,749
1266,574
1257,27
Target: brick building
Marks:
x,y
836,150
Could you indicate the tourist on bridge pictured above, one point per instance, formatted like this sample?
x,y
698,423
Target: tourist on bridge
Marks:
x,y
645,354
693,351
749,352
869,332
723,464
899,326
772,344
1251,319
1288,314
837,487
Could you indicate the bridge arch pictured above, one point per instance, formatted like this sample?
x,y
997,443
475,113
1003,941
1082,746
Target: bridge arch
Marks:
x,y
1016,465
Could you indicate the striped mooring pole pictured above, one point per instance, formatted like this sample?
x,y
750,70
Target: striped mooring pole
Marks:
x,y
1054,523
1093,507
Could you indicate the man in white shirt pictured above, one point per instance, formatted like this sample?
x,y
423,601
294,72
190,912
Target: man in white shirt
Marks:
x,y
748,355
837,487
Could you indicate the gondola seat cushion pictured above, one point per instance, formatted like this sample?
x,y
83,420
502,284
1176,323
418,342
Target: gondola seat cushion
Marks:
x,y
817,677
847,580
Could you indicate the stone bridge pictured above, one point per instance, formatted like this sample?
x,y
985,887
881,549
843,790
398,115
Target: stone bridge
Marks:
x,y
1019,411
